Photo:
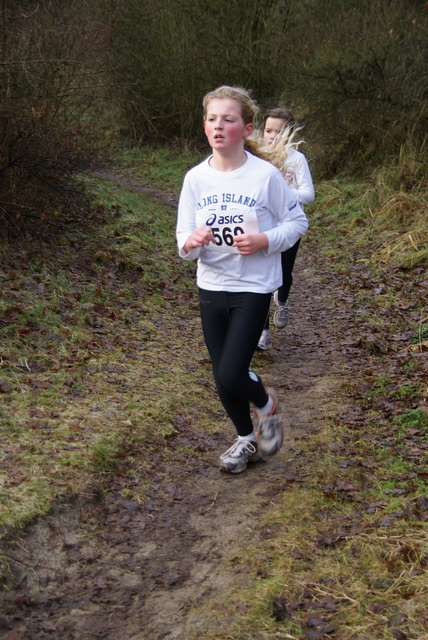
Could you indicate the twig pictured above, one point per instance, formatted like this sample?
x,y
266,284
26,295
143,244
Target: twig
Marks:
x,y
213,502
189,498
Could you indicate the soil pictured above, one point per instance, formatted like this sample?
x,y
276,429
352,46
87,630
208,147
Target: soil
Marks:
x,y
115,569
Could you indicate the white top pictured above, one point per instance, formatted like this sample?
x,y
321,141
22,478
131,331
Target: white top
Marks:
x,y
297,166
255,196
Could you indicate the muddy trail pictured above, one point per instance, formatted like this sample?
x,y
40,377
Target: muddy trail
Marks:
x,y
115,569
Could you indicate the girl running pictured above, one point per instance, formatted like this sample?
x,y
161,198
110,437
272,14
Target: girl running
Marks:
x,y
235,216
279,134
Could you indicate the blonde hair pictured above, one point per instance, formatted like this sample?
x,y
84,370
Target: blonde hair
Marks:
x,y
255,143
286,143
249,108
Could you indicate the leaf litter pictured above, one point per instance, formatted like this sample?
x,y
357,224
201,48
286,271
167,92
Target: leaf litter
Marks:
x,y
115,565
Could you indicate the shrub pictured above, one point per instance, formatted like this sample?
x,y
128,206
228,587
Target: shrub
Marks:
x,y
51,54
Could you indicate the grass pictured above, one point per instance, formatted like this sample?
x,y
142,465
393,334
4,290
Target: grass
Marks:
x,y
346,556
76,322
381,215
90,331
163,167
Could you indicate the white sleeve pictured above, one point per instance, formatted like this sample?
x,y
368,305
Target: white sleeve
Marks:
x,y
302,180
291,219
186,220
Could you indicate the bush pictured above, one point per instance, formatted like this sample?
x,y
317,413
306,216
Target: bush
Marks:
x,y
351,72
171,52
357,77
52,53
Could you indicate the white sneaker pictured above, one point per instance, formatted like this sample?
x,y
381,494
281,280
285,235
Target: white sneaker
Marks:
x,y
280,316
271,434
265,342
235,459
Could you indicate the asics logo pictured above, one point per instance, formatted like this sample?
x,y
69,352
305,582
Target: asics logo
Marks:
x,y
238,218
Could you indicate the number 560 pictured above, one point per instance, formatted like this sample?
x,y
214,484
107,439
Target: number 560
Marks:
x,y
226,236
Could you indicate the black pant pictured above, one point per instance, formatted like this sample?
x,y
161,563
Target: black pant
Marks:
x,y
288,259
232,324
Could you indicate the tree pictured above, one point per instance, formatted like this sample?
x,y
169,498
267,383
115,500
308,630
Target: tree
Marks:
x,y
172,52
359,77
52,57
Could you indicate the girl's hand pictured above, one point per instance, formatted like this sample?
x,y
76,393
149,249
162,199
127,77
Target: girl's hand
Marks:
x,y
289,177
200,237
249,243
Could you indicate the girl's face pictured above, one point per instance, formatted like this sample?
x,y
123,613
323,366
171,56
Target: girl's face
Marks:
x,y
224,126
273,128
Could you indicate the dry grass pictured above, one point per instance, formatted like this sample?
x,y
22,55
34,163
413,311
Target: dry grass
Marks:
x,y
388,214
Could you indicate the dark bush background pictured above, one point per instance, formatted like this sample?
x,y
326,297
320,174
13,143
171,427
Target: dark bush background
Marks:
x,y
76,73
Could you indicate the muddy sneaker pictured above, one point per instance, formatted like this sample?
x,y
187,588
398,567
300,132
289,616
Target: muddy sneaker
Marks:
x,y
280,316
270,429
265,342
235,459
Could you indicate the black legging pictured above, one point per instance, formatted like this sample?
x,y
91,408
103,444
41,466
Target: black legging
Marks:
x,y
232,324
288,259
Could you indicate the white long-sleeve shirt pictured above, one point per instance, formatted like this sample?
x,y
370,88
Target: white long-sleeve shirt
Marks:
x,y
253,198
297,167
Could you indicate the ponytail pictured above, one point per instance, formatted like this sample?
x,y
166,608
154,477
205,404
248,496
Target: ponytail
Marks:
x,y
285,145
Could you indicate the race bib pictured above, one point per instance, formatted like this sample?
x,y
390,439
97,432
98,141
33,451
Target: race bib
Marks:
x,y
225,227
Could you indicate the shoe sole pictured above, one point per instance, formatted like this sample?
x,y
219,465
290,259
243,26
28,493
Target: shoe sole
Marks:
x,y
229,471
278,445
271,452
256,458
279,325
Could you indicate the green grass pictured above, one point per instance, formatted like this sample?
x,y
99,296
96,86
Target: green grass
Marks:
x,y
91,332
163,167
84,343
353,563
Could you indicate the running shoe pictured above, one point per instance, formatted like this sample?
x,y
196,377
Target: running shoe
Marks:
x,y
235,459
271,434
265,342
280,316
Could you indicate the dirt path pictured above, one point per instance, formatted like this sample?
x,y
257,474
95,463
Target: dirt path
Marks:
x,y
118,570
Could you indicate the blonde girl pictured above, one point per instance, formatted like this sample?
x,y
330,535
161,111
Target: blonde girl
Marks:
x,y
235,216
